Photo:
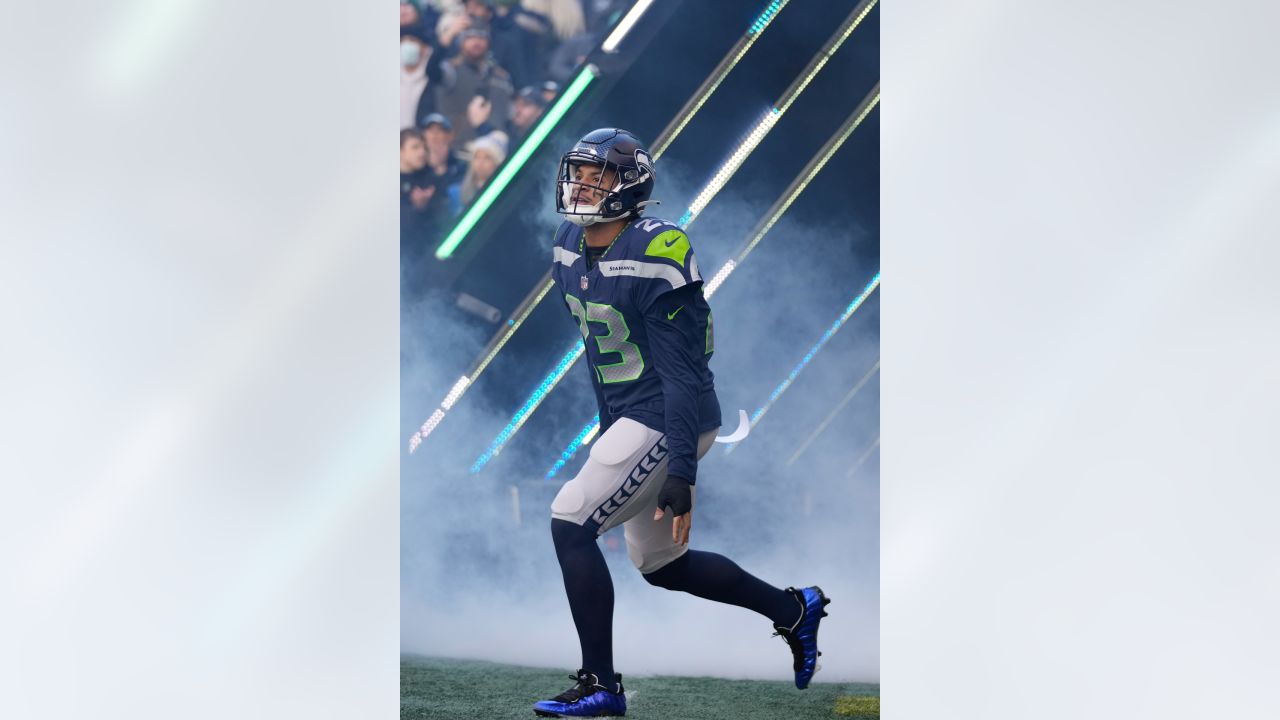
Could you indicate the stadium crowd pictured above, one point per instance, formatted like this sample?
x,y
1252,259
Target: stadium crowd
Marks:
x,y
475,76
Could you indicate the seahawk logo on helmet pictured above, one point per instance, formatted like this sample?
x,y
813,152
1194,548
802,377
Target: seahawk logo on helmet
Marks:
x,y
621,188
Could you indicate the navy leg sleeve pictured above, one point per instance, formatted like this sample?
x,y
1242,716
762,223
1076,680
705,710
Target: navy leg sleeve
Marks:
x,y
716,577
590,591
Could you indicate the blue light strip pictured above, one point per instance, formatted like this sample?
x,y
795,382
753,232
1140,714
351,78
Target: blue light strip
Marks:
x,y
765,16
569,452
525,410
831,331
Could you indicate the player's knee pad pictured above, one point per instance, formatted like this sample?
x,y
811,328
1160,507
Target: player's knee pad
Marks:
x,y
612,485
568,502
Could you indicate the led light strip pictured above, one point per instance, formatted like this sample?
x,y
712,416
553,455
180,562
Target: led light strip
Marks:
x,y
731,165
771,117
832,415
766,17
863,458
660,146
540,132
806,176
628,21
716,77
535,399
780,206
581,439
811,71
517,161
795,372
460,387
529,406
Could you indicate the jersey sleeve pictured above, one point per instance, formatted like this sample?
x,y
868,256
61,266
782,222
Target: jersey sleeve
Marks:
x,y
668,263
677,343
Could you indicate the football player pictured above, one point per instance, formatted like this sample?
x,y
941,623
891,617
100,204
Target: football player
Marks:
x,y
633,287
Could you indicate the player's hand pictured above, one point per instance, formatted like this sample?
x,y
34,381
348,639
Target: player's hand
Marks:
x,y
677,496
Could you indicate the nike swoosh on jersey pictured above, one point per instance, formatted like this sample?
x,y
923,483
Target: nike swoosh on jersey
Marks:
x,y
672,316
672,241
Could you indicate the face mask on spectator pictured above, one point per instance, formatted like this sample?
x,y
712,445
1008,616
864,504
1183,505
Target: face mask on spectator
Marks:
x,y
410,53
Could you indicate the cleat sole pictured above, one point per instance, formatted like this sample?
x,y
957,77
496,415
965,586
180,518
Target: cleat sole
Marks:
x,y
548,713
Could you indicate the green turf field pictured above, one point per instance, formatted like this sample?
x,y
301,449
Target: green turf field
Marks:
x,y
441,688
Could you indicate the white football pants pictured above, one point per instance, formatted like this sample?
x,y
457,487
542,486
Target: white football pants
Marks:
x,y
619,484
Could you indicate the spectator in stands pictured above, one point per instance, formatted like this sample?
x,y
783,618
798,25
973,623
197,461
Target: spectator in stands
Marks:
x,y
487,154
463,16
414,15
522,41
449,26
602,14
472,87
416,189
550,89
525,111
479,10
443,167
566,16
415,56
569,56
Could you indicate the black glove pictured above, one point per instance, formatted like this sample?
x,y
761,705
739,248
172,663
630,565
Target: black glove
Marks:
x,y
676,496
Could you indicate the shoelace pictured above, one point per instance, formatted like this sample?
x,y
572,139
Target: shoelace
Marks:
x,y
797,650
579,690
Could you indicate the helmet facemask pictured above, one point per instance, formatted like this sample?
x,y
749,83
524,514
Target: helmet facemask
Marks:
x,y
611,204
582,213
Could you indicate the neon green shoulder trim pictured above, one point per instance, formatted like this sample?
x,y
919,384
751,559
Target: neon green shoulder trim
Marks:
x,y
672,244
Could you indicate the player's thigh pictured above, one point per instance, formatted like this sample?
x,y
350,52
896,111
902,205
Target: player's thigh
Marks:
x,y
649,542
614,481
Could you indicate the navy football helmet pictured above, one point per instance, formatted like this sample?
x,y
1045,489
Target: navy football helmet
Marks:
x,y
624,165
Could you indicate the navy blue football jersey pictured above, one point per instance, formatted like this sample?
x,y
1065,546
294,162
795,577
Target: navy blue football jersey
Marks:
x,y
647,330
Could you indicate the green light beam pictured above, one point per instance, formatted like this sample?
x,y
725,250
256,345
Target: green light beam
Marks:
x,y
517,161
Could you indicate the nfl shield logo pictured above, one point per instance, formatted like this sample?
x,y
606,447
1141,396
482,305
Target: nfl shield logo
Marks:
x,y
583,282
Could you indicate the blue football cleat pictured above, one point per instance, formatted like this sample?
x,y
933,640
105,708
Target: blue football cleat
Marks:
x,y
802,637
587,698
